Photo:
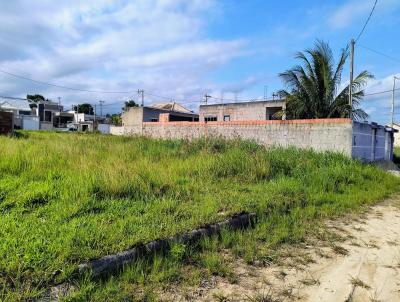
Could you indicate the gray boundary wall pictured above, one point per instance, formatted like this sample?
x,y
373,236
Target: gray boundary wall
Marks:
x,y
317,134
364,141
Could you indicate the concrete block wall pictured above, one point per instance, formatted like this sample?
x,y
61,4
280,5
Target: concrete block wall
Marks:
x,y
318,134
46,125
117,130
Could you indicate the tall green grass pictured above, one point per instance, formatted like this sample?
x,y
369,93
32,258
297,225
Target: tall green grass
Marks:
x,y
66,198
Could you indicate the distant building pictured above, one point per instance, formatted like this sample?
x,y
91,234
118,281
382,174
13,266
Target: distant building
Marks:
x,y
396,126
175,112
62,119
18,106
74,121
243,111
46,110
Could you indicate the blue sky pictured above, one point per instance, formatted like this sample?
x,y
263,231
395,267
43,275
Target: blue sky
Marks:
x,y
184,49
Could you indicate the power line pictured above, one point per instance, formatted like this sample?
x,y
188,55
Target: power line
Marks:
x,y
11,97
79,89
380,53
112,92
61,86
381,92
366,22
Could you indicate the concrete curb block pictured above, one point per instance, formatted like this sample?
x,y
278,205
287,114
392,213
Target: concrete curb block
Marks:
x,y
112,263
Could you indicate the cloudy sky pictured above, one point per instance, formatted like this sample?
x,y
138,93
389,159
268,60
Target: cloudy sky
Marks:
x,y
182,49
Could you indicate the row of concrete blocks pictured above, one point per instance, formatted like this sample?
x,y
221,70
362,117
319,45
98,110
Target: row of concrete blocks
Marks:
x,y
110,264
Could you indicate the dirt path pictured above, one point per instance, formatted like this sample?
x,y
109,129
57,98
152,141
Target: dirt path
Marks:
x,y
370,271
362,264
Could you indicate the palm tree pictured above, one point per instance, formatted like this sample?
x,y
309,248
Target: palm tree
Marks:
x,y
315,86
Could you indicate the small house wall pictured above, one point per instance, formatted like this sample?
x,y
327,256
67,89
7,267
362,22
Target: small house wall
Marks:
x,y
104,128
245,111
46,125
371,142
30,122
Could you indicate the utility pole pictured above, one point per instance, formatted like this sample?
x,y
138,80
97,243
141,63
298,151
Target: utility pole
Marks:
x,y
265,92
95,107
352,42
141,92
206,97
76,113
59,108
101,108
393,95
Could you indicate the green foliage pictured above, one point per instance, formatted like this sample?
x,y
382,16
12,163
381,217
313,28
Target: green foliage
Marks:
x,y
69,197
396,155
84,108
116,119
315,86
129,104
35,98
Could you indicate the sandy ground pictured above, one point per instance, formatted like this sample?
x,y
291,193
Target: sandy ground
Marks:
x,y
362,263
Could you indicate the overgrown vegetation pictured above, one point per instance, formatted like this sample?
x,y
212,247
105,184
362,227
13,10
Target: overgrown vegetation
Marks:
x,y
66,198
396,155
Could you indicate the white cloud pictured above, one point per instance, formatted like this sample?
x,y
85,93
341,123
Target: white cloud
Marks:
x,y
348,13
158,45
378,105
356,10
381,84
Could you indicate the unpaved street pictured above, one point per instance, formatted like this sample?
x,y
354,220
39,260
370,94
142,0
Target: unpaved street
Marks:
x,y
361,264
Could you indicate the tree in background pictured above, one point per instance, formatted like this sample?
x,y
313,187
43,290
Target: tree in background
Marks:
x,y
129,104
33,99
315,86
116,119
84,108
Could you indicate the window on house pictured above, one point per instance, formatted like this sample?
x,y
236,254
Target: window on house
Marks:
x,y
47,116
210,119
154,120
227,118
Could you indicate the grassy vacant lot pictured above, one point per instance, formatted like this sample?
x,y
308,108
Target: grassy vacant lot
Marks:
x,y
66,198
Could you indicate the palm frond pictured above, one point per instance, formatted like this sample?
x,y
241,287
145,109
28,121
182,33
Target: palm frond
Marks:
x,y
313,86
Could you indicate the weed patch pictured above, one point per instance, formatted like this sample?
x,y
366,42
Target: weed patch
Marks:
x,y
66,198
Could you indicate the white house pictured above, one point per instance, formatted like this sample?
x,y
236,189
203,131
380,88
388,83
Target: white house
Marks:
x,y
18,106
